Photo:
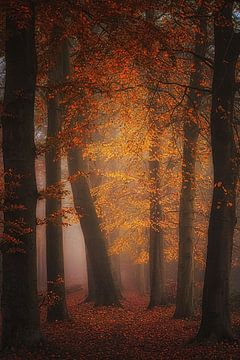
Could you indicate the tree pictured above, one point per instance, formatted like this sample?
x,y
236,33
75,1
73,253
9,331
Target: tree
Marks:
x,y
57,308
105,291
156,246
20,316
216,319
156,241
91,283
184,298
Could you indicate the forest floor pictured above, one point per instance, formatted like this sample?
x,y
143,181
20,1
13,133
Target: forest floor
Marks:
x,y
127,333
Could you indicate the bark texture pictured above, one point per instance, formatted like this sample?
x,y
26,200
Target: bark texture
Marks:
x,y
20,315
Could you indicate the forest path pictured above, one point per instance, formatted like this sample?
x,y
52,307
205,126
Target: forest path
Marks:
x,y
127,333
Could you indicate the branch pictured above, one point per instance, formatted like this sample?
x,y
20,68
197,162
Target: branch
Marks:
x,y
207,90
204,59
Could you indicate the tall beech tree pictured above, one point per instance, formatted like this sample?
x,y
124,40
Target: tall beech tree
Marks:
x,y
105,292
156,246
216,319
103,289
20,315
184,298
57,308
90,281
95,181
156,241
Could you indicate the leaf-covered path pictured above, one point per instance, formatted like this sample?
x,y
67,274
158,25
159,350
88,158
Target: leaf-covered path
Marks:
x,y
131,332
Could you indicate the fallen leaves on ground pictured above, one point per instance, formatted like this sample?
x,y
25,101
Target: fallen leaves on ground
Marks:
x,y
131,332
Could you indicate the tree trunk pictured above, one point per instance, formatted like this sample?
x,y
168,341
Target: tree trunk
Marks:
x,y
116,272
95,181
115,262
20,315
184,299
91,285
156,247
105,291
57,308
142,276
216,319
102,288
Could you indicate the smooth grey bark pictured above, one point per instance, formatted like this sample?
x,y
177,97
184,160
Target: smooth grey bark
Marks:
x,y
216,319
20,314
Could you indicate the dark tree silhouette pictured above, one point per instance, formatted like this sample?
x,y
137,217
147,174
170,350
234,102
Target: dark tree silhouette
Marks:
x,y
20,316
57,308
184,299
216,319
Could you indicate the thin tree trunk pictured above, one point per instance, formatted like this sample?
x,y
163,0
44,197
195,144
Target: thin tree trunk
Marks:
x,y
91,284
184,299
216,319
116,271
57,308
115,263
142,275
156,247
20,315
105,291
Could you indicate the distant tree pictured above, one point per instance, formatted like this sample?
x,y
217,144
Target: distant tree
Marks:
x,y
20,315
216,319
57,308
91,283
156,239
105,292
156,246
185,277
103,288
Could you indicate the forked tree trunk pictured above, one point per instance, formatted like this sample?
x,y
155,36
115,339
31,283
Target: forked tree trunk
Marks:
x,y
20,315
105,291
57,308
216,319
185,278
